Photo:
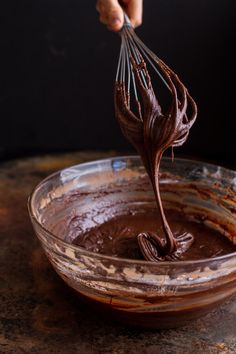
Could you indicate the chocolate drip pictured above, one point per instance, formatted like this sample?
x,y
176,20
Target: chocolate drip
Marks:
x,y
151,132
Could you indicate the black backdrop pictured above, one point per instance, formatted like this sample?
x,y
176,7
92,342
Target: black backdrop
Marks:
x,y
58,65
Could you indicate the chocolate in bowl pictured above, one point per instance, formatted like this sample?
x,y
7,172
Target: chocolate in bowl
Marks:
x,y
148,294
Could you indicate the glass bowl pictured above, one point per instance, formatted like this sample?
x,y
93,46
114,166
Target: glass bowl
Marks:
x,y
137,292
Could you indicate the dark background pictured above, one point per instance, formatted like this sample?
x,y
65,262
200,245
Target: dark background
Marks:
x,y
58,65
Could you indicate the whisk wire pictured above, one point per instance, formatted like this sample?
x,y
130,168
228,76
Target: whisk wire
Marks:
x,y
129,69
119,64
134,52
142,47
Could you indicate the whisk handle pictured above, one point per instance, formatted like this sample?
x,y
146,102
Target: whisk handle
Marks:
x,y
127,22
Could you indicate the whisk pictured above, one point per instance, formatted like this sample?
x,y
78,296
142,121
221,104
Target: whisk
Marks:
x,y
149,129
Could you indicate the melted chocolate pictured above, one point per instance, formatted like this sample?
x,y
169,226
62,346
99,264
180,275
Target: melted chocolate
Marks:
x,y
117,237
151,132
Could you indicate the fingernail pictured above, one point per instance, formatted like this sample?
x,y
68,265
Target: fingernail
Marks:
x,y
115,22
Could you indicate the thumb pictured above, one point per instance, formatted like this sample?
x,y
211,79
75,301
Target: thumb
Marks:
x,y
114,14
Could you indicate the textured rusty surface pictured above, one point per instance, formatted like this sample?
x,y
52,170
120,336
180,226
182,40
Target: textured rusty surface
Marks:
x,y
39,314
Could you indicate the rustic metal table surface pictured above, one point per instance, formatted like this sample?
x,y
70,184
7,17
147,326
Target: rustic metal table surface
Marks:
x,y
39,314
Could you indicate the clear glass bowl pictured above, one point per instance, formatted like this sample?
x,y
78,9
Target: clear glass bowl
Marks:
x,y
156,295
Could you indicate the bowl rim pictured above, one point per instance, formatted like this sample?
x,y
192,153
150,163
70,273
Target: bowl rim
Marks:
x,y
119,259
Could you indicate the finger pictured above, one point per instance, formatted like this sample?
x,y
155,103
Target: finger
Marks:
x,y
113,12
134,9
103,20
99,6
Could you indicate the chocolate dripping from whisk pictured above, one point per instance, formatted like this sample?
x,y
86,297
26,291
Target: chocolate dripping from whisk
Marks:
x,y
152,132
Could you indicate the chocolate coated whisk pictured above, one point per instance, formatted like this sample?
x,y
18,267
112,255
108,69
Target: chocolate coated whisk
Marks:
x,y
133,52
149,129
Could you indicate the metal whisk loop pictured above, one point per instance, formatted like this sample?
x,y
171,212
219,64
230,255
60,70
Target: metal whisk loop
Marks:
x,y
134,54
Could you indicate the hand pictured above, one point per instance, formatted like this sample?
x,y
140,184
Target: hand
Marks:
x,y
111,12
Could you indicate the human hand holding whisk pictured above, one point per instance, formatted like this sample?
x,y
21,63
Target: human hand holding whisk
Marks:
x,y
112,13
148,124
